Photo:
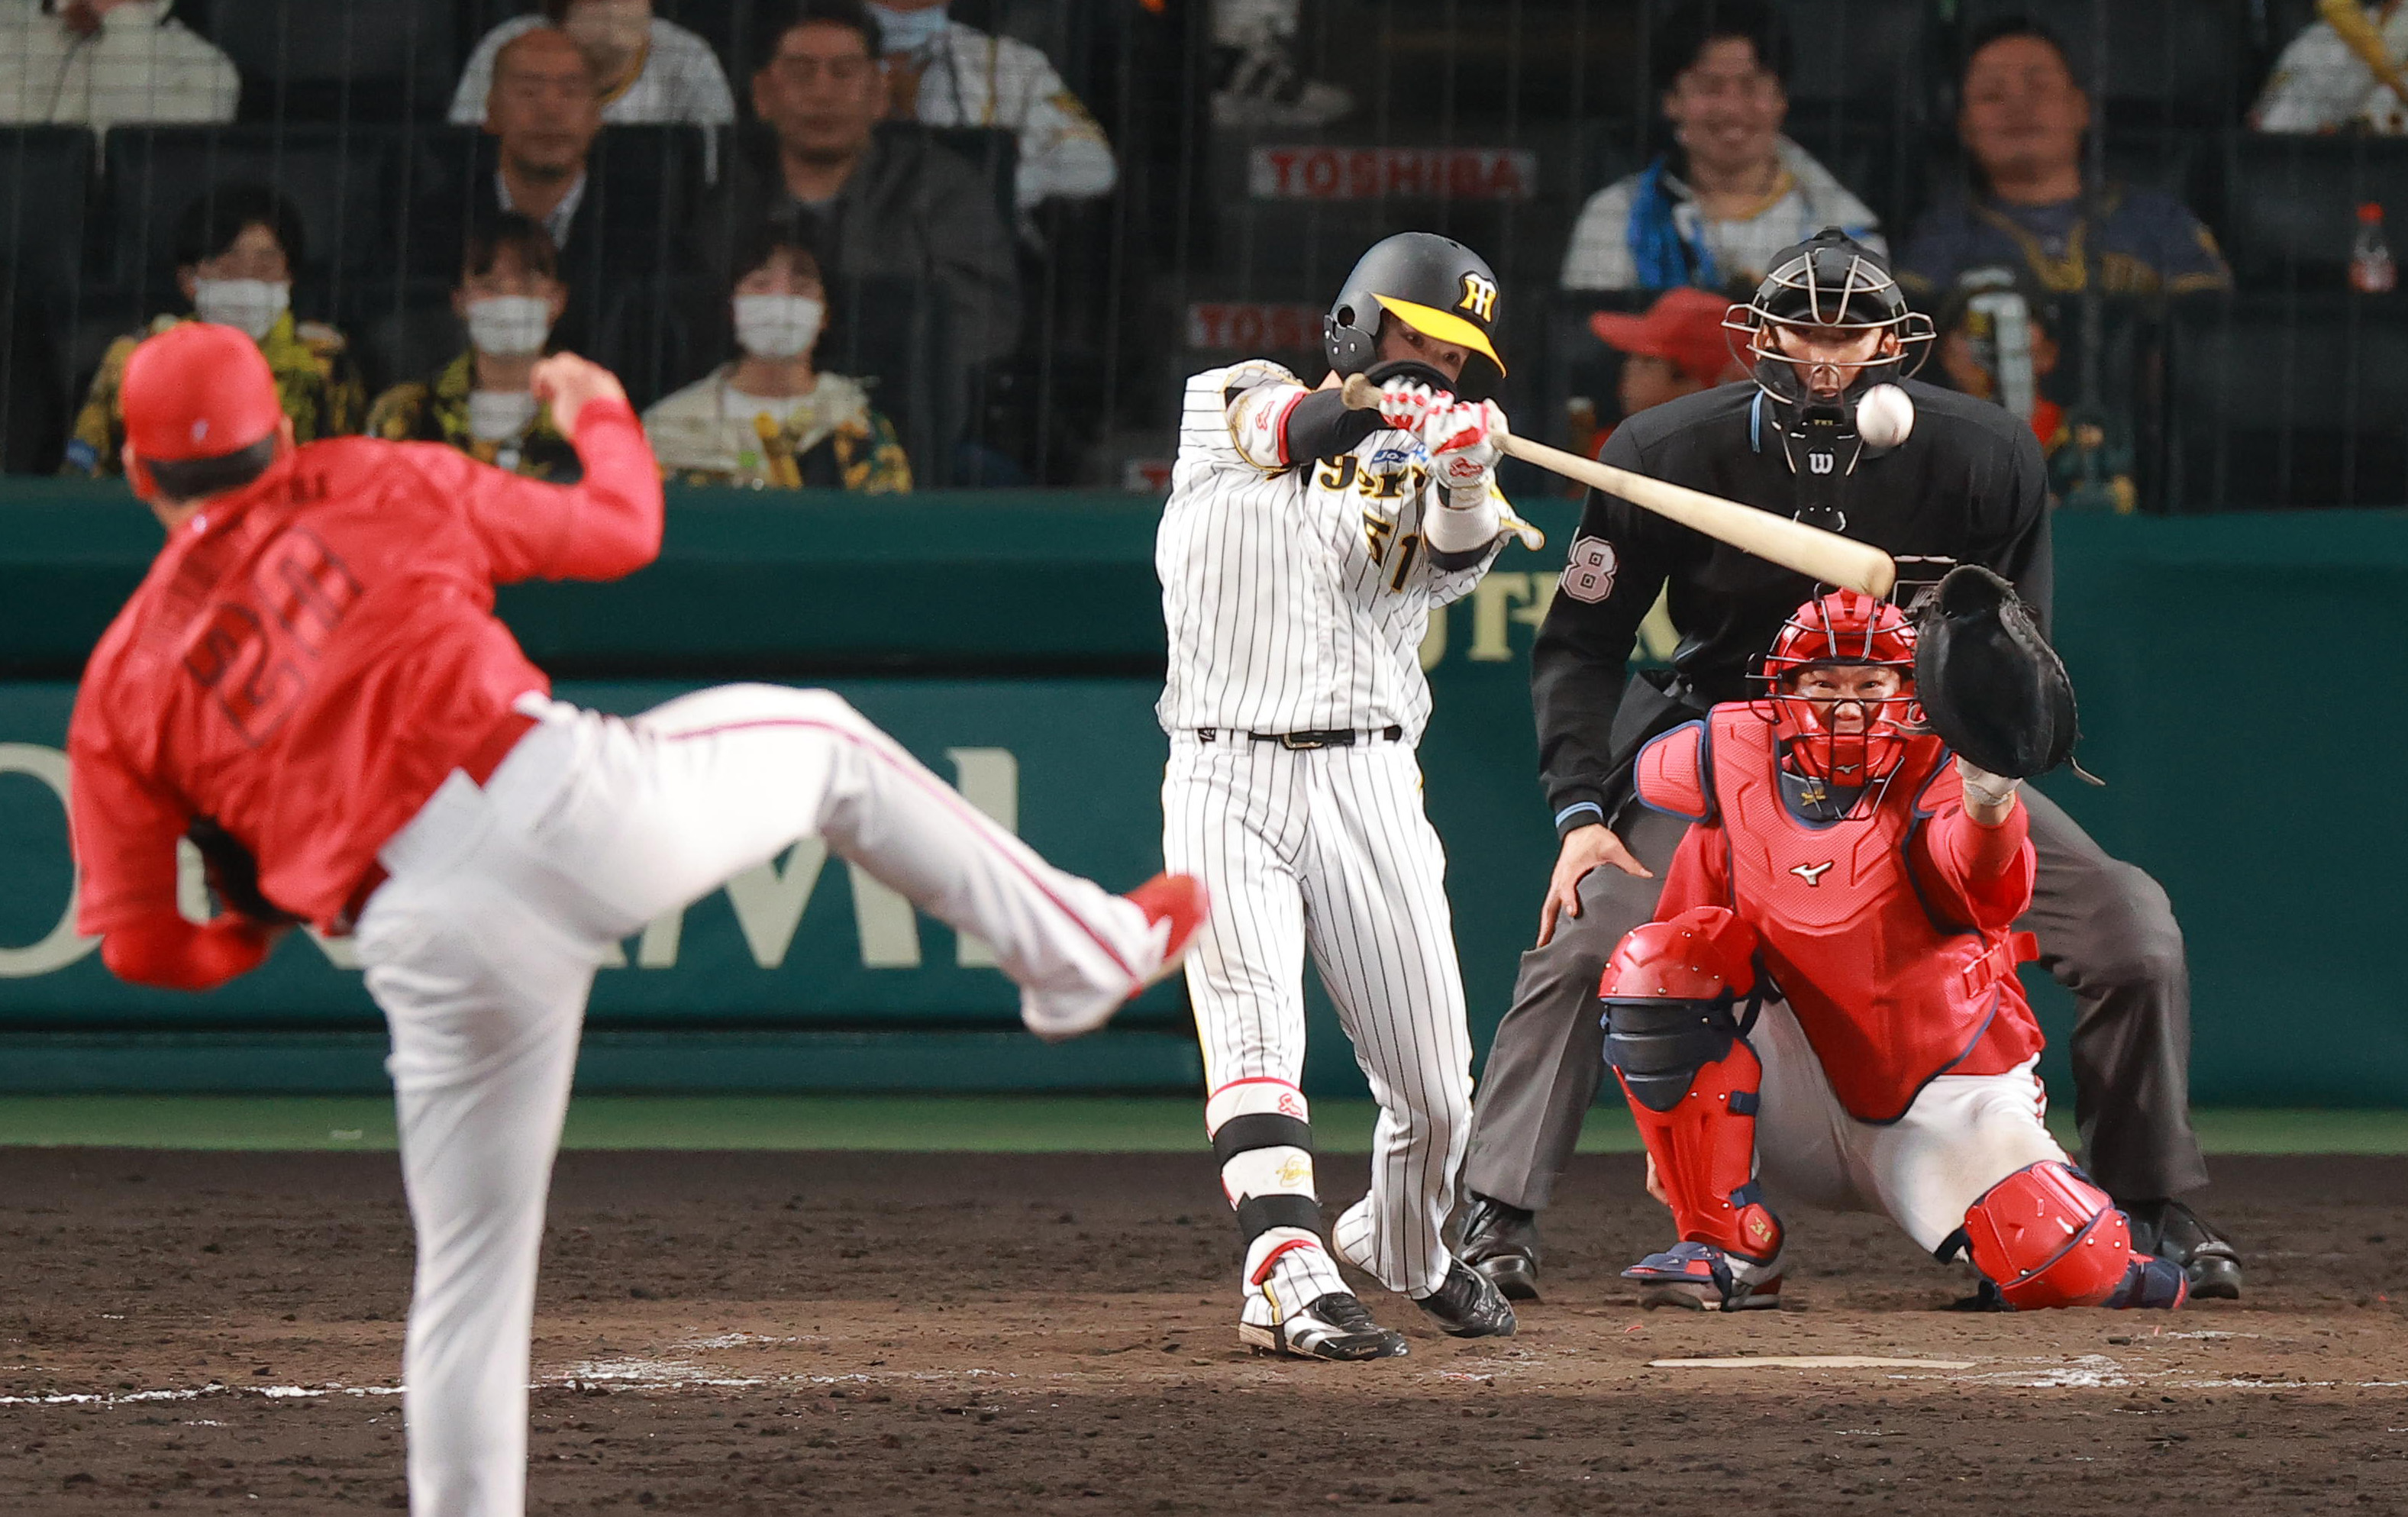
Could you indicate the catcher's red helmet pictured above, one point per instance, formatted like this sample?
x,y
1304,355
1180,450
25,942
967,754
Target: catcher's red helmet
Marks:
x,y
196,391
1847,742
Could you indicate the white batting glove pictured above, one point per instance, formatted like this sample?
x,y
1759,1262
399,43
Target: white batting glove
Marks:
x,y
1982,787
1465,440
1407,404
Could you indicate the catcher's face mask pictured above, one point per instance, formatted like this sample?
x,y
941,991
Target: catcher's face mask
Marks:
x,y
1840,692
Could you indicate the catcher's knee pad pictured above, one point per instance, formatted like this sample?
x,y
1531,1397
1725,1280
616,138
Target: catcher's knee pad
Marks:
x,y
2046,1237
1675,1044
1262,1136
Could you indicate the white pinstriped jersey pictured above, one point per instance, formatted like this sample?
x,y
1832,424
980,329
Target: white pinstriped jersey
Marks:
x,y
1296,595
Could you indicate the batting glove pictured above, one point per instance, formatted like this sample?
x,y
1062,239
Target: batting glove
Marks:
x,y
1464,439
1407,404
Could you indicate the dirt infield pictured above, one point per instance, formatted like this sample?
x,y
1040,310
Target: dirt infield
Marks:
x,y
903,1333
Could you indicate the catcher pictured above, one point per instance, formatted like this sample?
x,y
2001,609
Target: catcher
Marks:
x,y
1833,963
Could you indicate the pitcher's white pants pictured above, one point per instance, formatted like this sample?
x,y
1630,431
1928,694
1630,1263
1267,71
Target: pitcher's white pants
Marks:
x,y
1328,848
482,944
1962,1135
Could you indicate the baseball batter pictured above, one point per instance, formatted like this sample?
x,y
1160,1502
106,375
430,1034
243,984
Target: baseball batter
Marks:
x,y
311,678
1858,884
1301,550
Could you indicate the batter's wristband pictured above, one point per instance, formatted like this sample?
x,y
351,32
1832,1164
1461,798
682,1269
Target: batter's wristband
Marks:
x,y
1259,1214
1260,1130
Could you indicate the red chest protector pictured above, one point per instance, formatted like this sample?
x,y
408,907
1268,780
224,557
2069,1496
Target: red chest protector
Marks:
x,y
1889,994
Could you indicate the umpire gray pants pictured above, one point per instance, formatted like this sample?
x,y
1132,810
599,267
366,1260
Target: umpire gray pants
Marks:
x,y
2106,932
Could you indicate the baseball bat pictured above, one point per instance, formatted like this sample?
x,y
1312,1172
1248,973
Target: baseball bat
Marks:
x,y
1820,555
2350,25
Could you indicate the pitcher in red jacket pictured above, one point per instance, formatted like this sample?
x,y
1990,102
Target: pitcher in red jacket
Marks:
x,y
1826,1008
312,675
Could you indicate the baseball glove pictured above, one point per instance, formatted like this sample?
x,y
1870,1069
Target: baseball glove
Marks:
x,y
1990,684
233,875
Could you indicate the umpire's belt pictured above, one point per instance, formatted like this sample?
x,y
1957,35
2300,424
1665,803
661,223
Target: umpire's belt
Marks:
x,y
1299,741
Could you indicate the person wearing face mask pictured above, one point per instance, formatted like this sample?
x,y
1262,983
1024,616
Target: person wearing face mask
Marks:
x,y
1731,192
942,72
481,403
647,69
236,249
768,419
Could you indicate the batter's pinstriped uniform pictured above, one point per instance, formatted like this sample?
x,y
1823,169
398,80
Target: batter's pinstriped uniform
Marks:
x,y
1296,595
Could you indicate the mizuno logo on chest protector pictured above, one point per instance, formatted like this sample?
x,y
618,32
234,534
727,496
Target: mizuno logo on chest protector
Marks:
x,y
1812,873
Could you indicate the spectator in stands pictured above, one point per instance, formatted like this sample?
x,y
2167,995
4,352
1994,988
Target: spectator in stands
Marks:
x,y
236,249
867,202
768,419
2027,206
103,63
1733,191
1677,346
1997,342
940,72
645,69
2319,85
509,297
543,115
1260,82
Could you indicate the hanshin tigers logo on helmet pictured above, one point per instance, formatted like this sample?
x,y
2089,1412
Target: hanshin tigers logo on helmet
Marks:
x,y
1479,296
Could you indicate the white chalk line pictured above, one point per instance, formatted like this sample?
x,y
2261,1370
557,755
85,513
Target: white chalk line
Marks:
x,y
606,1375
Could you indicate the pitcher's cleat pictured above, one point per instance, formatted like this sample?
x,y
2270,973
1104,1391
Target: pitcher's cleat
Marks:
x,y
1468,1305
1701,1278
1336,1326
1176,906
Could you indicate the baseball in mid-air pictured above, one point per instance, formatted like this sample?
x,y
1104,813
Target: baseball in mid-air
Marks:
x,y
1885,416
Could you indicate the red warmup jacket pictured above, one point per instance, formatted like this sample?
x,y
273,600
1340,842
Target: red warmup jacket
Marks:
x,y
1890,933
306,661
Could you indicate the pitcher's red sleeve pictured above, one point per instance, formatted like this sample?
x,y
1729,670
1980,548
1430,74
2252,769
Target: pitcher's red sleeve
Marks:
x,y
122,829
1982,876
606,525
170,954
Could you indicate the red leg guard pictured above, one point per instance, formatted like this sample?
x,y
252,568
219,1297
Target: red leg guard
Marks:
x,y
1704,1151
2046,1237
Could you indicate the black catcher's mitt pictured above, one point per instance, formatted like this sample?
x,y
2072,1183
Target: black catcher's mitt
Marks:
x,y
1990,684
234,874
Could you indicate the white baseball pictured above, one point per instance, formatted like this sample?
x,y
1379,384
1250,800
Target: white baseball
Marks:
x,y
1885,416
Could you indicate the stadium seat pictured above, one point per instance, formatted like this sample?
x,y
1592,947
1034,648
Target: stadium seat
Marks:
x,y
892,335
2285,401
46,175
2291,211
335,176
2168,62
334,59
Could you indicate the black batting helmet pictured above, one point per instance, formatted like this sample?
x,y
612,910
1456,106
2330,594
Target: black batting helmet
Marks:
x,y
1435,285
1830,281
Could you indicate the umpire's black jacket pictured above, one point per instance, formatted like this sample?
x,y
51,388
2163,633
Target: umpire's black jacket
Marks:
x,y
1968,485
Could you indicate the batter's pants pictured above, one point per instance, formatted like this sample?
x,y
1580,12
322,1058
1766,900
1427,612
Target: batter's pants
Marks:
x,y
502,901
1327,849
2106,932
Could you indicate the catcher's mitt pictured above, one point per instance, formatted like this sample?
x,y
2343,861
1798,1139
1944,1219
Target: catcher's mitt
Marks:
x,y
234,874
1990,684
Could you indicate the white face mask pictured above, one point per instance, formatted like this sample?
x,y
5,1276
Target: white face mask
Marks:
x,y
777,326
510,326
499,415
249,305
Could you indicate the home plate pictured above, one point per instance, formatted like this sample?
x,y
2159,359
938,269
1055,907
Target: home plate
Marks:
x,y
1810,1360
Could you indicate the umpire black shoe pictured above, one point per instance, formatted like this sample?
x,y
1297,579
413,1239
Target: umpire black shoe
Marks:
x,y
1502,1242
1334,1326
2174,1231
1468,1305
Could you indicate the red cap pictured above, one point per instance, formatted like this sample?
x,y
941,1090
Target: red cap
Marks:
x,y
197,391
2370,211
1685,328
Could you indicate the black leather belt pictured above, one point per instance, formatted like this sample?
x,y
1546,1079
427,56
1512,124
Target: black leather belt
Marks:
x,y
1300,741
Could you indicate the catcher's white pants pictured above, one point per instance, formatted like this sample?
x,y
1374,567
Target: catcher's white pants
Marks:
x,y
502,901
1328,849
1962,1135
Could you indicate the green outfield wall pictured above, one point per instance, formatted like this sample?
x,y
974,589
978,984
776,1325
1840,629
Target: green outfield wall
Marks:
x,y
2241,690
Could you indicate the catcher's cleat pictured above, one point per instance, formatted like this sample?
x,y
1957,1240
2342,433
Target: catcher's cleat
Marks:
x,y
1700,1277
2172,1230
1175,908
1502,1242
1336,1326
2150,1284
1468,1305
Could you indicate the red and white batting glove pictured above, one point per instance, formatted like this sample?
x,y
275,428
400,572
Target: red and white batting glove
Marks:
x,y
1406,405
1464,439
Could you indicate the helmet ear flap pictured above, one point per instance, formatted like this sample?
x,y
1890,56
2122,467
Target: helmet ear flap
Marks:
x,y
1349,348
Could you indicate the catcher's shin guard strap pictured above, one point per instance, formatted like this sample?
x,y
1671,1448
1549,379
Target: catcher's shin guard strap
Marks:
x,y
2046,1237
1703,1142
